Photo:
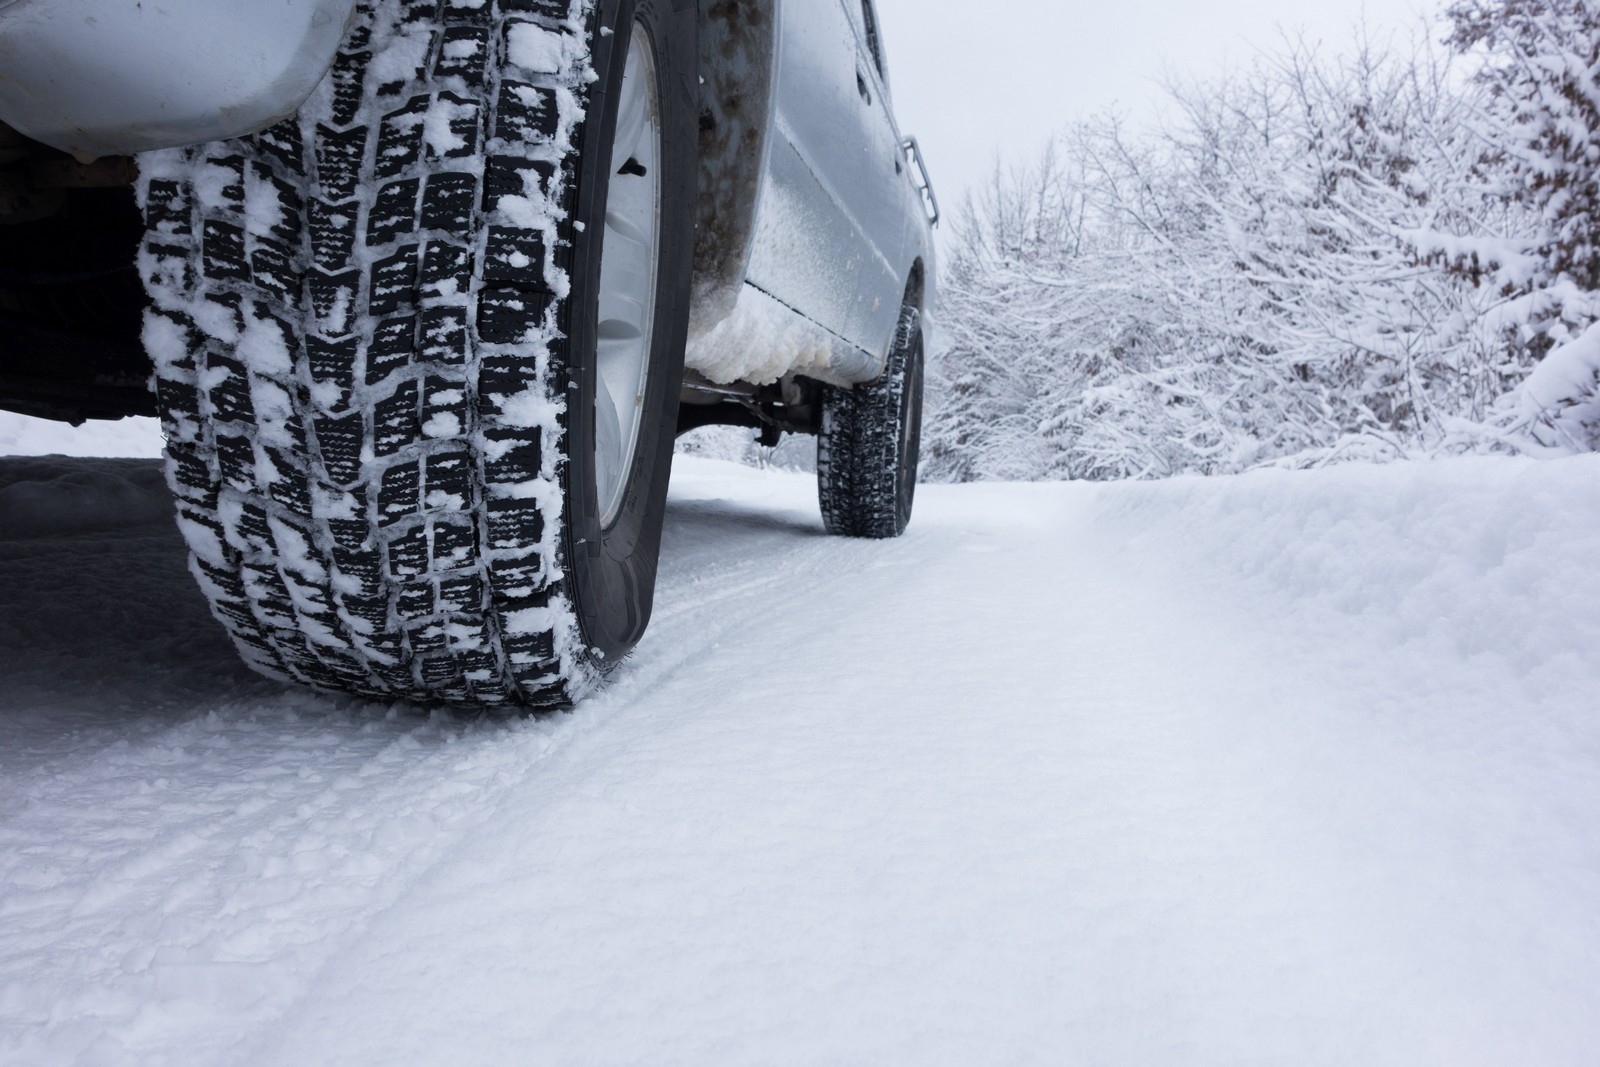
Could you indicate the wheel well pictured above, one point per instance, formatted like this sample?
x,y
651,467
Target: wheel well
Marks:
x,y
738,40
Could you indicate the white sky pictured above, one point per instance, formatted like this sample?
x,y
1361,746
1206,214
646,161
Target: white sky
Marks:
x,y
975,77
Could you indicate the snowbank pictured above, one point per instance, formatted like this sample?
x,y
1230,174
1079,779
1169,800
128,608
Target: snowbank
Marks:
x,y
24,436
1464,559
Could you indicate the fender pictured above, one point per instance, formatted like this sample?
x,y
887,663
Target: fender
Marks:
x,y
117,77
738,42
739,330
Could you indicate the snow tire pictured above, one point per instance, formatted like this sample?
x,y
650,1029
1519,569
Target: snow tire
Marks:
x,y
868,449
373,327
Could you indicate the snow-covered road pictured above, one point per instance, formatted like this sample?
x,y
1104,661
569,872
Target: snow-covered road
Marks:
x,y
1288,768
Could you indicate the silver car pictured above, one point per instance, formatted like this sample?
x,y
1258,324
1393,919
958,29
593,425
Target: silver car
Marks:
x,y
427,288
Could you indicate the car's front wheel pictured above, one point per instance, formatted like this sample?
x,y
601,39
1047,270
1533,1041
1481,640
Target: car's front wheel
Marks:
x,y
419,349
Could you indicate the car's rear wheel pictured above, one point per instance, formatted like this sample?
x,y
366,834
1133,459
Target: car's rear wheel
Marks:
x,y
870,443
419,349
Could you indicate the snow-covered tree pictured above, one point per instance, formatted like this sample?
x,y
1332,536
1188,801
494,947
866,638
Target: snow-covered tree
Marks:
x,y
1261,282
1540,62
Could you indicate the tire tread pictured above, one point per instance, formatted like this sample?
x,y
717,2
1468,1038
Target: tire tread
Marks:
x,y
367,505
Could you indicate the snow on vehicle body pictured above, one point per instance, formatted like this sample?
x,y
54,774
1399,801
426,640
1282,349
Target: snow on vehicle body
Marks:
x,y
421,323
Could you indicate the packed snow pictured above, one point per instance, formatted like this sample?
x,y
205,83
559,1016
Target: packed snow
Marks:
x,y
1282,768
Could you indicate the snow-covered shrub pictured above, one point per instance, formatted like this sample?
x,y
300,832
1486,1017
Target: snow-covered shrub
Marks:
x,y
1323,257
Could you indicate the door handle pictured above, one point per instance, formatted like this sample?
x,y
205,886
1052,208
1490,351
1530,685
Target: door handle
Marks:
x,y
861,87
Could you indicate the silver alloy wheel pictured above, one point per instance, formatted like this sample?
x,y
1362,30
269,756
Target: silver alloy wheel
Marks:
x,y
629,253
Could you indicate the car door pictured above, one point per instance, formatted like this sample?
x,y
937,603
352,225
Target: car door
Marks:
x,y
823,242
881,210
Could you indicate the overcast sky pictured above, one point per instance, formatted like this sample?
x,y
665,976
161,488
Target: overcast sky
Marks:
x,y
973,77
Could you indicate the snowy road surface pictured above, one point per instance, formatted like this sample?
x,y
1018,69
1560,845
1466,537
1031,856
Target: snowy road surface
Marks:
x,y
1282,769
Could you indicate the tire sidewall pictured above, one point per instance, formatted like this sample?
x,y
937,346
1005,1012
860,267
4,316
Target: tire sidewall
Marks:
x,y
611,572
910,427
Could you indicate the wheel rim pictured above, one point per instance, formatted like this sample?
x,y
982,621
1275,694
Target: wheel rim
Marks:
x,y
910,434
629,255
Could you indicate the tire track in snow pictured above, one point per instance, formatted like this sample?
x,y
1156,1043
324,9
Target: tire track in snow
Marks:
x,y
253,844
158,877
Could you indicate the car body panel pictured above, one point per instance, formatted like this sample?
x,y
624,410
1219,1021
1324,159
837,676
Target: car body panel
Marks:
x,y
810,210
116,77
839,222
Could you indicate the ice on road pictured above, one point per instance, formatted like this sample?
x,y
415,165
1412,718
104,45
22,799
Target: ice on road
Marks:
x,y
1287,768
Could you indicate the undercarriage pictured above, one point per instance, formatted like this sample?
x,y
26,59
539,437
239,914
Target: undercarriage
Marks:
x,y
70,299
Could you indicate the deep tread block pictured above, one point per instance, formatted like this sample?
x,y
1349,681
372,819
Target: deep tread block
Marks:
x,y
509,316
333,298
512,521
450,474
526,113
462,52
287,204
339,157
283,145
443,337
447,271
339,441
400,493
168,208
392,348
346,79
519,453
448,202
515,259
454,544
394,214
274,269
394,420
516,176
333,233
394,282
223,254
462,594
230,390
408,553
333,367
415,601
236,459
400,138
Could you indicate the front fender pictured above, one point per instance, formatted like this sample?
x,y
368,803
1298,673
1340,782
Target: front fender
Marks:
x,y
116,77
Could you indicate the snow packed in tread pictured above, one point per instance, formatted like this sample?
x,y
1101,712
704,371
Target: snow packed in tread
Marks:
x,y
363,399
